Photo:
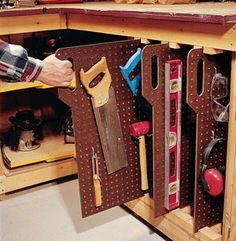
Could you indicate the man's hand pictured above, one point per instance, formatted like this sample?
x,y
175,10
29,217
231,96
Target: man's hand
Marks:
x,y
56,72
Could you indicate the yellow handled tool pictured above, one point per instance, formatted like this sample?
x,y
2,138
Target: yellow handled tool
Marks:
x,y
96,180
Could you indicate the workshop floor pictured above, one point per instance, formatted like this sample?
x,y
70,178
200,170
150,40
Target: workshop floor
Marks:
x,y
52,213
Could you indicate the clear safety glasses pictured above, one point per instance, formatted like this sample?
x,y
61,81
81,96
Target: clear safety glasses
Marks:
x,y
219,98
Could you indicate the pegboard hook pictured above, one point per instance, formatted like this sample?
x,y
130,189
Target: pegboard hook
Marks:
x,y
215,70
212,135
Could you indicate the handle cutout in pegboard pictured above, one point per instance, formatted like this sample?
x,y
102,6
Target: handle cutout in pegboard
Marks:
x,y
123,185
200,68
155,64
208,210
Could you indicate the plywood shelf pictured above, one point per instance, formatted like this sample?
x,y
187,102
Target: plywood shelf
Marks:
x,y
34,174
44,86
14,86
52,148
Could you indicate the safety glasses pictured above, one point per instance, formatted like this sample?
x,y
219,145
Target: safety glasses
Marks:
x,y
219,97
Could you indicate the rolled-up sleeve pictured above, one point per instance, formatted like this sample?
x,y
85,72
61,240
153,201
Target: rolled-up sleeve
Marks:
x,y
16,64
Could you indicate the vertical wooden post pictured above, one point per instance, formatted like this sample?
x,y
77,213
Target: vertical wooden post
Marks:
x,y
1,182
229,219
1,167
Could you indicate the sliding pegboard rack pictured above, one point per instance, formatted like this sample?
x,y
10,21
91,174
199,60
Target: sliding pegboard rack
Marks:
x,y
153,85
123,185
207,210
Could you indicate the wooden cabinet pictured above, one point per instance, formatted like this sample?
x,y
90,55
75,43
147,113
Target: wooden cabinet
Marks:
x,y
41,165
210,26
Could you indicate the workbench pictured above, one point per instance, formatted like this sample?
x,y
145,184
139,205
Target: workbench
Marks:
x,y
208,25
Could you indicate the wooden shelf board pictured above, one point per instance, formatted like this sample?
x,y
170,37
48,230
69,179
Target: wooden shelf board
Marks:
x,y
13,86
206,12
32,167
44,86
51,148
37,174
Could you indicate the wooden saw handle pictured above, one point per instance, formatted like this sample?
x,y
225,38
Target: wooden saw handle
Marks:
x,y
99,92
143,163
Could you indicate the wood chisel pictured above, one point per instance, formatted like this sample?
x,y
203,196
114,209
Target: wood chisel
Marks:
x,y
106,115
173,97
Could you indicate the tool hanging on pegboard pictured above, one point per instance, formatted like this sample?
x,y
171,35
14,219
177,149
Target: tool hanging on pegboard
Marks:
x,y
139,130
129,68
96,180
173,99
106,115
212,178
131,72
219,97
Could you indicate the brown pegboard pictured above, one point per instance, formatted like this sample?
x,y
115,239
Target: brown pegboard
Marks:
x,y
207,210
187,164
188,137
123,185
153,89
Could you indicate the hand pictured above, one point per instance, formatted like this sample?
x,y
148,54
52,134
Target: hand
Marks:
x,y
56,72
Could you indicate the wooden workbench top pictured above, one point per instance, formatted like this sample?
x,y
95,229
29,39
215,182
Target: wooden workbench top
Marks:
x,y
208,12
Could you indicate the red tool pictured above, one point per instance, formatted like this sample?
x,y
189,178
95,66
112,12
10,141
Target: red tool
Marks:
x,y
173,97
140,129
212,178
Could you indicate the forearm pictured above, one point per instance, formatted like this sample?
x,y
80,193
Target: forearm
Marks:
x,y
16,64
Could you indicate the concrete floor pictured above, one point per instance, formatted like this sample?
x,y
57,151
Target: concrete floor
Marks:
x,y
52,213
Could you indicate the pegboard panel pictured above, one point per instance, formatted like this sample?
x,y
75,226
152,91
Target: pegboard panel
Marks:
x,y
188,137
187,164
123,185
153,89
207,210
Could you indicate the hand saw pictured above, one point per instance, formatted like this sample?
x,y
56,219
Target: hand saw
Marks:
x,y
173,97
106,115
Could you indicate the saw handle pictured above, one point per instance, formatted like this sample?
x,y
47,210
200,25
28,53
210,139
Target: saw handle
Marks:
x,y
99,92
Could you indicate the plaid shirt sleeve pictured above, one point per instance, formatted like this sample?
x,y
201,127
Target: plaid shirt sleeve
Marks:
x,y
16,64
